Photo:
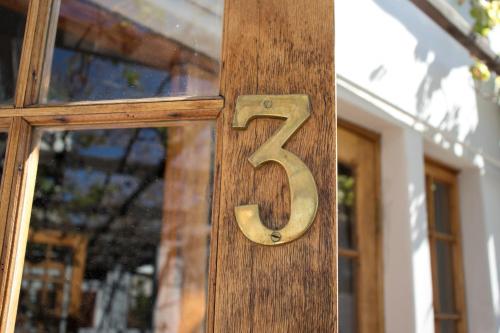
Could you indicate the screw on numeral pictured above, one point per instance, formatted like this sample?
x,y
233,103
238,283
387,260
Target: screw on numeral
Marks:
x,y
275,236
268,104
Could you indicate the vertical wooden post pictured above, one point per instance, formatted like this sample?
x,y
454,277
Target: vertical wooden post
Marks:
x,y
35,63
183,258
21,166
277,47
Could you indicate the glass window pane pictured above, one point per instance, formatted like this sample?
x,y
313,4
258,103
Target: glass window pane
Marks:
x,y
12,22
442,207
347,222
3,149
119,232
448,326
347,295
114,49
445,277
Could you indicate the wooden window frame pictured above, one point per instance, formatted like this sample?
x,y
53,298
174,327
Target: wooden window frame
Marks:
x,y
301,60
26,116
370,315
435,171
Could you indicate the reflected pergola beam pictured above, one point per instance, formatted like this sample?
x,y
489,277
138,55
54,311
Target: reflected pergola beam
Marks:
x,y
120,37
196,23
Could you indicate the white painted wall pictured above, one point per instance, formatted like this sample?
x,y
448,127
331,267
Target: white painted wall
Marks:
x,y
475,237
407,265
401,75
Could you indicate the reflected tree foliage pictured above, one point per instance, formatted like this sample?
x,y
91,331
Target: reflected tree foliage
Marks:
x,y
108,251
346,190
346,201
97,181
106,186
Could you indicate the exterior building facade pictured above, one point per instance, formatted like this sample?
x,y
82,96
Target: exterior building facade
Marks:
x,y
403,77
121,219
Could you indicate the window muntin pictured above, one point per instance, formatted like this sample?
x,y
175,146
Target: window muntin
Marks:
x,y
108,49
119,232
444,236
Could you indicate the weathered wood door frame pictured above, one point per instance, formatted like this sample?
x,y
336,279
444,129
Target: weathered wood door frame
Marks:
x,y
269,47
277,47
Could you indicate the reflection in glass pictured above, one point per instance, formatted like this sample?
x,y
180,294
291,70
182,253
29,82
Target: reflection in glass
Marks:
x,y
12,21
110,49
346,227
445,276
3,149
346,240
347,295
448,326
119,232
442,207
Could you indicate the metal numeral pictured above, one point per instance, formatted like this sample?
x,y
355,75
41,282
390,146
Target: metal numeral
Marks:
x,y
304,194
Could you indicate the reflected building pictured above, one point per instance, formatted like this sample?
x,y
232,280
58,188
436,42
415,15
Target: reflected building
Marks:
x,y
120,226
119,234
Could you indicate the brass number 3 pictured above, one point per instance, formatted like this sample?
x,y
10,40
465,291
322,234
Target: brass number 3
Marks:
x,y
303,191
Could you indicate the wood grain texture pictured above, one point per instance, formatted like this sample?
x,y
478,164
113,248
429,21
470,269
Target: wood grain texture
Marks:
x,y
34,49
28,44
8,172
7,183
5,124
118,106
212,268
117,114
20,165
122,119
277,47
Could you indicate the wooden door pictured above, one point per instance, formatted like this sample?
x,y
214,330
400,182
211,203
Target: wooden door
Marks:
x,y
360,281
450,312
277,63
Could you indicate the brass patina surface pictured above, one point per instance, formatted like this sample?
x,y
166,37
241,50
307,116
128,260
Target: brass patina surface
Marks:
x,y
303,191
